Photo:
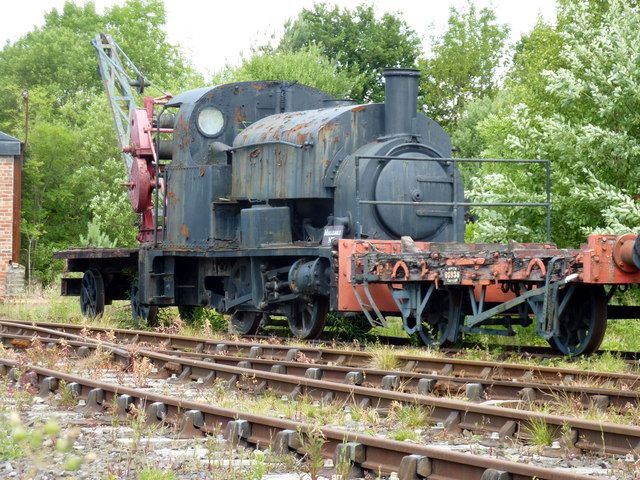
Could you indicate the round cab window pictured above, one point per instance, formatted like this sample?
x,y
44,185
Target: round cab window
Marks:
x,y
210,121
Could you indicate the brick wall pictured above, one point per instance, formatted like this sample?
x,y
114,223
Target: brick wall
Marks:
x,y
6,218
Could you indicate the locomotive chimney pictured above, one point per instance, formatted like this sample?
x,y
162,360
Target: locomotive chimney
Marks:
x,y
400,100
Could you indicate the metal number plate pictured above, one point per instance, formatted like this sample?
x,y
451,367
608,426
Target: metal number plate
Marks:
x,y
452,275
330,233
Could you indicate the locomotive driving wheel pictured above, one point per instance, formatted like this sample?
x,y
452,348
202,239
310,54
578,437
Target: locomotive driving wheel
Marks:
x,y
246,322
308,316
442,319
583,321
92,294
142,313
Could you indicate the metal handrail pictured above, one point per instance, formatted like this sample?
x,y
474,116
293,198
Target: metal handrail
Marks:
x,y
455,204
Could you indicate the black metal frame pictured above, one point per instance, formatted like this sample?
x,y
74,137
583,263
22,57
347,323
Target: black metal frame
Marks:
x,y
456,205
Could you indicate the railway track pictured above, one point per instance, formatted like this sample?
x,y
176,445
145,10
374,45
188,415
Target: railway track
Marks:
x,y
443,366
454,415
505,350
474,389
537,352
365,452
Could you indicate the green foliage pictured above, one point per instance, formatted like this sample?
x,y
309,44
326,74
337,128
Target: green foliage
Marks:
x,y
10,439
18,440
208,319
59,55
571,98
466,137
405,435
348,328
313,443
95,236
463,64
73,172
307,65
540,432
361,44
155,474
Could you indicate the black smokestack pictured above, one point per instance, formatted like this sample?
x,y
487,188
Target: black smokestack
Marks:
x,y
400,100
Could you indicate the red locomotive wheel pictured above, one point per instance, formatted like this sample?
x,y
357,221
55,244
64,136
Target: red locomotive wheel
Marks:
x,y
246,322
308,317
583,321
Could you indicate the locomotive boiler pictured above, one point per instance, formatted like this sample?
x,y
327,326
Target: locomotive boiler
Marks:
x,y
272,198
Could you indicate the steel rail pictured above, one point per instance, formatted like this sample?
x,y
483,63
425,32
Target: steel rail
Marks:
x,y
455,415
476,389
412,461
354,358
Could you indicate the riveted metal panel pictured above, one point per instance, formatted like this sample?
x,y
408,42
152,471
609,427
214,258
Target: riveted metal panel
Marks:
x,y
287,156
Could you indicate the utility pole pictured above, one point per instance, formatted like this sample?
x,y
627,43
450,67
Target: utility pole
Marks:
x,y
25,97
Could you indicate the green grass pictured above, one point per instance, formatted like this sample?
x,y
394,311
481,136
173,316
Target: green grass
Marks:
x,y
540,432
155,474
403,435
384,358
10,447
412,416
50,306
622,335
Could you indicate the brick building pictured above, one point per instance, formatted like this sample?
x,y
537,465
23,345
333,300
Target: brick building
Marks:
x,y
11,272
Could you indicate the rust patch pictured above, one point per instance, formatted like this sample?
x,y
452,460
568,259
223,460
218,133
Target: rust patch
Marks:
x,y
202,170
254,153
17,343
259,86
358,108
297,128
302,137
172,198
239,115
184,231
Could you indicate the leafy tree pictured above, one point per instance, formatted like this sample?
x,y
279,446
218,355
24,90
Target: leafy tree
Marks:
x,y
73,172
307,66
361,44
575,105
96,237
463,64
465,137
59,54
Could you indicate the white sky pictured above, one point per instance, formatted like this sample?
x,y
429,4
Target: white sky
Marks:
x,y
214,33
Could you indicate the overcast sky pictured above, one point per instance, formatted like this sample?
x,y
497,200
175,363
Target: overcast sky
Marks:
x,y
215,33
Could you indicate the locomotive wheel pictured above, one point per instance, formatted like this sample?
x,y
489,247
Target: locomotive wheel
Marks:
x,y
142,313
246,322
308,316
187,313
583,321
92,294
442,319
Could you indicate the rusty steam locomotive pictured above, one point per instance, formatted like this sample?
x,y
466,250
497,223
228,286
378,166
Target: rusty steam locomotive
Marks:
x,y
273,198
